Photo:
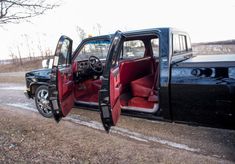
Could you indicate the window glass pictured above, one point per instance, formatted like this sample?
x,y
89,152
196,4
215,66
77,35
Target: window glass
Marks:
x,y
155,47
189,47
176,44
64,53
98,48
182,43
179,43
133,49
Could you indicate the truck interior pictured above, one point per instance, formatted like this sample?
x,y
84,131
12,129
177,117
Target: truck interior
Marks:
x,y
136,74
138,68
88,68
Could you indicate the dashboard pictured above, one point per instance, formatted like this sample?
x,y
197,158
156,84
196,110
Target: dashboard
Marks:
x,y
82,65
84,72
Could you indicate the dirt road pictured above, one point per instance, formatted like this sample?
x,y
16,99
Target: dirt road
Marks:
x,y
25,136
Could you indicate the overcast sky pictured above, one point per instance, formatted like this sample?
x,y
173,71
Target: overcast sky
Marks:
x,y
204,20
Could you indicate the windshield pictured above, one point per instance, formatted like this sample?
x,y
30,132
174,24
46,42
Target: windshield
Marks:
x,y
98,48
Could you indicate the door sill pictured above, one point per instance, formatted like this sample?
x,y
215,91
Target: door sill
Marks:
x,y
139,109
87,103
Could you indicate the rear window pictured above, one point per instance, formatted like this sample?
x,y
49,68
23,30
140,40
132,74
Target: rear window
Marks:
x,y
181,43
189,47
133,49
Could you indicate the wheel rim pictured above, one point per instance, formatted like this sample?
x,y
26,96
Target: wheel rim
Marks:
x,y
43,102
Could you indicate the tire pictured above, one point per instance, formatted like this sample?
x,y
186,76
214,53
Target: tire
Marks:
x,y
42,101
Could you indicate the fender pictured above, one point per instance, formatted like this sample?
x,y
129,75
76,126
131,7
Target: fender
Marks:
x,y
31,87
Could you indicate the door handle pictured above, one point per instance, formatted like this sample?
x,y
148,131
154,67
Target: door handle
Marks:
x,y
118,85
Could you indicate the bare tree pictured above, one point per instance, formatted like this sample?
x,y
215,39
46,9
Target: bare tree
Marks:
x,y
19,54
14,11
12,56
28,46
97,28
40,48
81,33
48,52
31,43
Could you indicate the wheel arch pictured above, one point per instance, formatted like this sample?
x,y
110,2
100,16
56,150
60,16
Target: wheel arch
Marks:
x,y
33,87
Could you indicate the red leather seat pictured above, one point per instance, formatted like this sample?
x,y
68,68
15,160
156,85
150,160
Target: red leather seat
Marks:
x,y
134,69
143,86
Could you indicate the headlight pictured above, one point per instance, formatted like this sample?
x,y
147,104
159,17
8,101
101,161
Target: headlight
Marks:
x,y
34,79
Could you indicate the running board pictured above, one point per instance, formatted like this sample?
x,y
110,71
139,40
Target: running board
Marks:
x,y
138,109
131,108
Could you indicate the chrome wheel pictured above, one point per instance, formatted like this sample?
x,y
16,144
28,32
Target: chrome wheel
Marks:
x,y
42,101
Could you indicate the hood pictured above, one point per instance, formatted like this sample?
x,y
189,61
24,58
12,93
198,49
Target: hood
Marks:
x,y
39,72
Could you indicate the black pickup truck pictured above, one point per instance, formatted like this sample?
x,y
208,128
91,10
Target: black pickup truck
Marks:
x,y
150,73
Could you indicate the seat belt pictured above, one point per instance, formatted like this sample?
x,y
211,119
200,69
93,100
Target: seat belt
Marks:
x,y
153,93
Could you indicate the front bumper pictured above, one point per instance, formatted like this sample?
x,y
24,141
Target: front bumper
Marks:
x,y
27,94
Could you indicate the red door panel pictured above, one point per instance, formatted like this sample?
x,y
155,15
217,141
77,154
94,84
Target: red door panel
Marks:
x,y
115,90
109,101
65,88
61,85
115,85
116,112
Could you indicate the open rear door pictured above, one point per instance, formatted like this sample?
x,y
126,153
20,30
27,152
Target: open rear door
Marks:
x,y
61,94
109,102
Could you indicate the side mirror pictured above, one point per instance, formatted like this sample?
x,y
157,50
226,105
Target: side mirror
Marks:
x,y
50,64
63,53
45,63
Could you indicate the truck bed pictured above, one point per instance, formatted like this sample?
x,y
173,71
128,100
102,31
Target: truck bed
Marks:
x,y
209,61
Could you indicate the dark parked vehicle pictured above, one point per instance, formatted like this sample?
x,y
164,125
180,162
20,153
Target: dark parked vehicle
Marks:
x,y
150,73
37,88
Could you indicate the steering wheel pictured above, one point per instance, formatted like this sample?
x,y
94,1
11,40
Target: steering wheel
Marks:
x,y
95,64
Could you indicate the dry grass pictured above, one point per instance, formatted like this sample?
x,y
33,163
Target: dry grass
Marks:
x,y
26,137
14,73
17,67
12,79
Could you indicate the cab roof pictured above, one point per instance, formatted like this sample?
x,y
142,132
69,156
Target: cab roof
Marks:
x,y
136,32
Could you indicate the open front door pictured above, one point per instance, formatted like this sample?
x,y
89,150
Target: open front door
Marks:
x,y
61,83
109,102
